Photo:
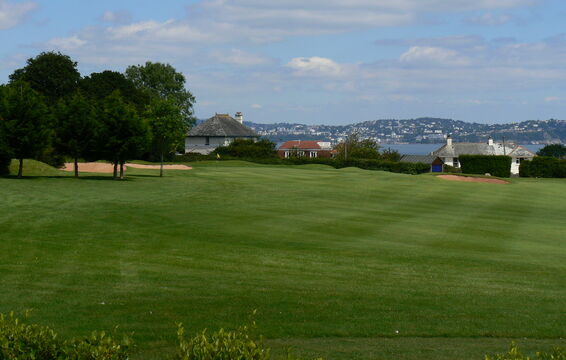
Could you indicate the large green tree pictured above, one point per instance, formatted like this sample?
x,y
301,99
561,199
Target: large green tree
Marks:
x,y
167,127
100,85
357,148
26,121
162,81
76,129
52,74
553,150
123,134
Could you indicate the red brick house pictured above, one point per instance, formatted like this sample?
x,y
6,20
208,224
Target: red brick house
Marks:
x,y
310,149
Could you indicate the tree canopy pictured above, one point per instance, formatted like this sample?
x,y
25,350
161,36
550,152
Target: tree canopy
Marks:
x,y
76,128
356,148
553,150
100,85
162,81
52,74
25,120
167,127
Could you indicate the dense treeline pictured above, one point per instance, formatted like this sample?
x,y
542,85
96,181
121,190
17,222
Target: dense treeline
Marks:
x,y
543,167
49,112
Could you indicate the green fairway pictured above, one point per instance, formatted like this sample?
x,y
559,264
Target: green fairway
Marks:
x,y
349,264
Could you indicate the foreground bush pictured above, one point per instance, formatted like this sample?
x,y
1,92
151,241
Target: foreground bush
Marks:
x,y
19,340
515,354
496,165
239,344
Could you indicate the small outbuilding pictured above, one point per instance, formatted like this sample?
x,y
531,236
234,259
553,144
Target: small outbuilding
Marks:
x,y
219,130
436,163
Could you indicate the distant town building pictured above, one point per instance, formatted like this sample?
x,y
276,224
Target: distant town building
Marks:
x,y
311,149
219,130
450,152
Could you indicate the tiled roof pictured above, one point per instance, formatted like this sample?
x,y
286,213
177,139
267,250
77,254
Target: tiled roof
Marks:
x,y
301,145
222,125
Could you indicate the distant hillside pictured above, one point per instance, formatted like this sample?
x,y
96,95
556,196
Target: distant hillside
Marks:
x,y
420,131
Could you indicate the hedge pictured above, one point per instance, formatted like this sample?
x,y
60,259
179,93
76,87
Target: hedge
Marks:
x,y
543,167
495,165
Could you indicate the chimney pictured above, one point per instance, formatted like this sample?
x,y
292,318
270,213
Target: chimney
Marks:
x,y
449,140
490,141
240,117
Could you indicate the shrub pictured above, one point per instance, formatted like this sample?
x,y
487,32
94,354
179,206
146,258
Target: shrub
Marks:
x,y
543,167
515,354
452,169
496,165
243,148
22,341
238,344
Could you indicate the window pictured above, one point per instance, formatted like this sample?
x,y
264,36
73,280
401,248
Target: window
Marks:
x,y
456,162
207,140
518,161
286,154
314,154
301,153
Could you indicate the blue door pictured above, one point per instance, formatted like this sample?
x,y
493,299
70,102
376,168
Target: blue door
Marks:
x,y
436,168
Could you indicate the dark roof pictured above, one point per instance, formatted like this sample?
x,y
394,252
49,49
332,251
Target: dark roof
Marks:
x,y
497,148
425,159
222,125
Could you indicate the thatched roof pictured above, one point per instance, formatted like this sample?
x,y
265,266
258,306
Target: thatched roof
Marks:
x,y
222,125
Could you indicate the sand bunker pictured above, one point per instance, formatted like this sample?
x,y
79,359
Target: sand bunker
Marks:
x,y
472,179
105,168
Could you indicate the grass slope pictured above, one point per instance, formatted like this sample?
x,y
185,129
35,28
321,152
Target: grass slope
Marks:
x,y
336,261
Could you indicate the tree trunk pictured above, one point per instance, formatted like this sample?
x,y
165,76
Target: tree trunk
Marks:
x,y
76,167
121,170
21,169
161,169
115,169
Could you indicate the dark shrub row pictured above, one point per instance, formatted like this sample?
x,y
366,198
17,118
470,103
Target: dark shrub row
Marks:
x,y
366,164
543,167
496,165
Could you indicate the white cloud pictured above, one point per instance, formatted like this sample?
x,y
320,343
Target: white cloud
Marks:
x,y
427,55
13,13
315,66
256,106
69,43
490,19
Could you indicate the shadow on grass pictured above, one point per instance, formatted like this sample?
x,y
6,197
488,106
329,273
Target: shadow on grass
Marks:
x,y
86,177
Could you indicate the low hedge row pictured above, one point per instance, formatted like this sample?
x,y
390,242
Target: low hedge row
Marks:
x,y
496,165
543,167
366,164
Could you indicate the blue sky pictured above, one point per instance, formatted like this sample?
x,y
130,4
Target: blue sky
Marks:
x,y
318,61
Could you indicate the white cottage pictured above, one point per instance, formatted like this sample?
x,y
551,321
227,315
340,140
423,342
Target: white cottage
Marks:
x,y
450,152
219,130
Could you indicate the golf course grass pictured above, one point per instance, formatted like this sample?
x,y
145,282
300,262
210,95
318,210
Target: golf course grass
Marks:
x,y
345,264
